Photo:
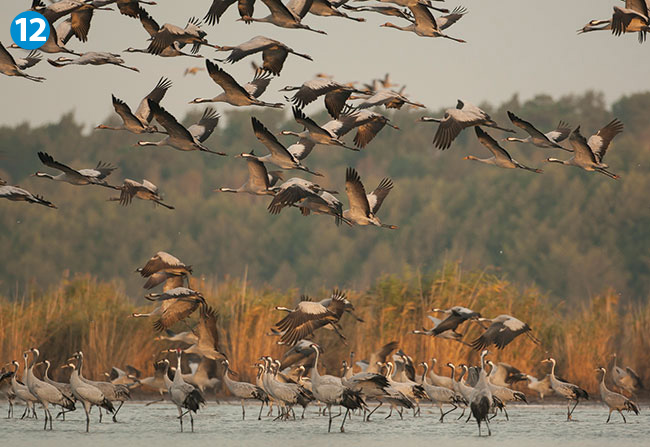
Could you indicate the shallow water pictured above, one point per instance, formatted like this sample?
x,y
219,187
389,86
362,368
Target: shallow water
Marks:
x,y
529,425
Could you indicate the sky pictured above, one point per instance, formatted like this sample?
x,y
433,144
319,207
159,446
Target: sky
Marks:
x,y
513,47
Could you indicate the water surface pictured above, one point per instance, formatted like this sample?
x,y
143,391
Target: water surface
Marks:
x,y
530,425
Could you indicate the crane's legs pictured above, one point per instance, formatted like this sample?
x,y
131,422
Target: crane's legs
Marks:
x,y
180,417
622,415
243,411
461,415
570,413
390,413
100,414
442,415
117,411
45,415
609,416
344,417
87,410
191,421
374,409
259,416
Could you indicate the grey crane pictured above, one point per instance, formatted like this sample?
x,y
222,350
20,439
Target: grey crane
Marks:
x,y
449,334
143,191
437,380
16,194
64,388
412,390
152,28
481,398
456,316
364,207
218,7
21,391
313,132
336,94
91,58
425,23
286,16
112,392
278,154
181,138
260,182
391,11
308,316
81,177
184,395
274,53
440,395
129,8
632,18
165,263
203,374
176,305
286,394
10,67
503,393
567,390
327,8
140,121
589,154
207,344
86,393
169,34
157,381
546,140
331,391
309,197
31,59
614,400
455,120
541,387
500,157
244,391
502,330
459,386
625,379
372,365
387,98
504,374
367,123
233,93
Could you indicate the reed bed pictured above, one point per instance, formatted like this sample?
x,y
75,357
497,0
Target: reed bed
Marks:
x,y
92,315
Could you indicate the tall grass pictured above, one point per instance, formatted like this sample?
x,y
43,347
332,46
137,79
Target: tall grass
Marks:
x,y
94,316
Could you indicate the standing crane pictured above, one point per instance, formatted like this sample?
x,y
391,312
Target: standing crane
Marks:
x,y
244,391
567,390
626,379
184,395
331,391
480,399
614,400
45,393
86,393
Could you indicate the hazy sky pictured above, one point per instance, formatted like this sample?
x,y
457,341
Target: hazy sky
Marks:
x,y
514,46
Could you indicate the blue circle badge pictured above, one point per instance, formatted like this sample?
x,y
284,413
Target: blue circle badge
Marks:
x,y
30,30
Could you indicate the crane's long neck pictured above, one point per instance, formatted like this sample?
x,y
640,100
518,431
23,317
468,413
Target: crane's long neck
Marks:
x,y
229,190
553,369
46,374
315,376
557,160
152,143
424,373
453,372
401,28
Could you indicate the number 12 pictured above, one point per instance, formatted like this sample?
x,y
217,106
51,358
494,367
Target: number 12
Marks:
x,y
36,37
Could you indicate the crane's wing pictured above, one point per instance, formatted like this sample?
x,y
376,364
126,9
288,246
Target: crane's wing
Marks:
x,y
492,145
376,198
148,22
217,8
599,143
560,133
143,112
48,161
124,111
206,125
257,174
356,192
528,127
223,79
582,152
268,139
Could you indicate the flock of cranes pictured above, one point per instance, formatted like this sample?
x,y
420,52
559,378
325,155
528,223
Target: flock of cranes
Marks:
x,y
483,389
348,105
296,379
